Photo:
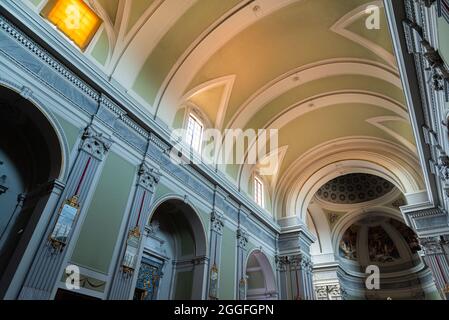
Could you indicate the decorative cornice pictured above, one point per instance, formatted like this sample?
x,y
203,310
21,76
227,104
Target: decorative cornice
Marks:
x,y
298,261
426,213
200,260
47,58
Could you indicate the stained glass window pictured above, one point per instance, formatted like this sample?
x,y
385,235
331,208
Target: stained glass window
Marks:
x,y
74,18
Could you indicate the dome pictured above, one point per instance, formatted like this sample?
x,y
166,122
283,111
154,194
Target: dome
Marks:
x,y
354,188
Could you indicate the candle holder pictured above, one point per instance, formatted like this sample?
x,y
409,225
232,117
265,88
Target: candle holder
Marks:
x,y
213,287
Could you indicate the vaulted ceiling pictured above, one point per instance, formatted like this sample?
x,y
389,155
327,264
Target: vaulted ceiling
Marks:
x,y
310,68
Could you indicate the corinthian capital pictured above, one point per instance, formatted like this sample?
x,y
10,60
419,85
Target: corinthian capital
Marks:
x,y
148,177
431,245
95,143
242,238
217,222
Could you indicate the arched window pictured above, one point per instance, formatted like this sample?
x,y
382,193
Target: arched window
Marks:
x,y
74,18
194,134
258,191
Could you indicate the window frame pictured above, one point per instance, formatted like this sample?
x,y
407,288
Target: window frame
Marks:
x,y
200,123
259,191
50,5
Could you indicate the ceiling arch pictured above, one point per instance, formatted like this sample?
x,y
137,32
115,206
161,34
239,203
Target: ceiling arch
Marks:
x,y
304,74
308,173
307,68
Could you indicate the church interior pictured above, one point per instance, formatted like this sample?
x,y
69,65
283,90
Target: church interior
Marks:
x,y
224,150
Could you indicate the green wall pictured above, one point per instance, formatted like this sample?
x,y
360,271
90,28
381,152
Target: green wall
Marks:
x,y
36,2
443,39
227,265
101,49
71,132
100,229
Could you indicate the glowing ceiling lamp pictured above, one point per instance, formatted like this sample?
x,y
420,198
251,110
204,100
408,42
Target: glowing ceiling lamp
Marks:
x,y
74,18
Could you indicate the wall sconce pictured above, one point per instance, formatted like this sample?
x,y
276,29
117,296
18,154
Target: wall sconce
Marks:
x,y
213,287
131,251
64,223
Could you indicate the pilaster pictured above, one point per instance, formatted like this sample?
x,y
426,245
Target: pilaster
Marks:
x,y
47,261
242,244
148,177
216,235
435,257
294,264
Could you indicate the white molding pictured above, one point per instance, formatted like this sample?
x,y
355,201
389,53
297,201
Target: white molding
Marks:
x,y
340,27
409,95
341,156
377,122
305,74
146,39
183,72
227,82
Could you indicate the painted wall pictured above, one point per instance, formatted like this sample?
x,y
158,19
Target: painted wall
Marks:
x,y
443,39
227,265
100,230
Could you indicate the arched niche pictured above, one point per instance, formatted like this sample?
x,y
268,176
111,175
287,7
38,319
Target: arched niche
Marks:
x,y
261,281
378,237
174,260
32,157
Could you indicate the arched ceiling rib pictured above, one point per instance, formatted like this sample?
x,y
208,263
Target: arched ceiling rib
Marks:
x,y
309,68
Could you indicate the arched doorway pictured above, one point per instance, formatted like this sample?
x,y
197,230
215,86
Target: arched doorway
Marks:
x,y
261,282
174,261
30,160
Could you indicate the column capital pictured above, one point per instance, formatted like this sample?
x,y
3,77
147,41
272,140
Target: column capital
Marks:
x,y
297,260
217,221
328,292
242,238
282,263
148,177
95,143
431,245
